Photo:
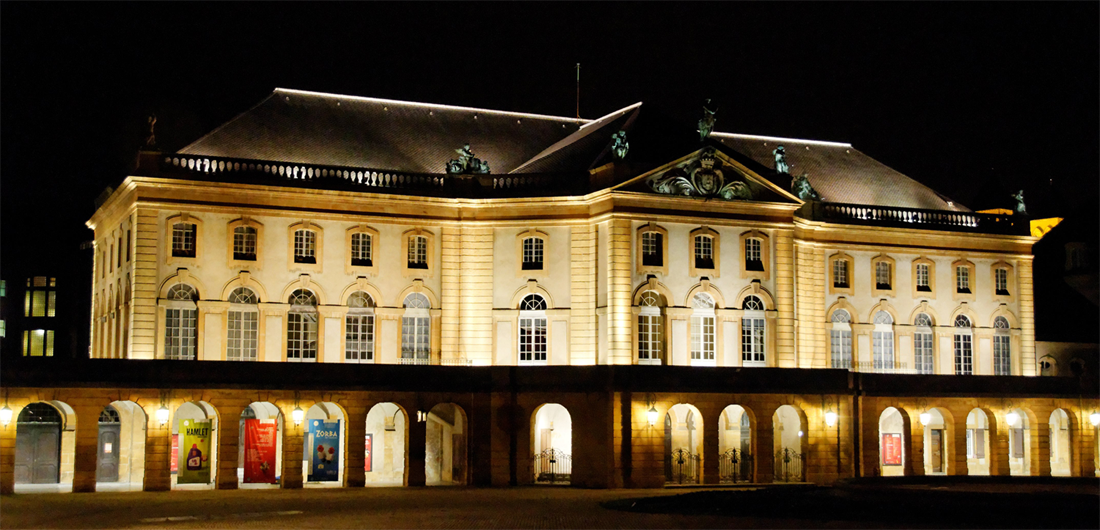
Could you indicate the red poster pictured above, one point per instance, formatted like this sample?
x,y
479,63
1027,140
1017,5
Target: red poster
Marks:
x,y
259,451
366,459
891,449
175,453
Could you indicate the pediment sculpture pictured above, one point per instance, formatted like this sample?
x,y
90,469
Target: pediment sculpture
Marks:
x,y
701,177
467,163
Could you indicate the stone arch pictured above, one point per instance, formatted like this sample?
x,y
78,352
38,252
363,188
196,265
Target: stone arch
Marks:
x,y
789,443
196,410
843,303
1062,451
984,424
1003,311
926,308
531,287
883,305
129,448
316,416
35,464
706,286
183,276
651,285
304,282
387,424
417,286
683,447
361,284
245,279
940,418
964,309
552,452
1027,463
893,435
736,425
445,452
254,475
755,289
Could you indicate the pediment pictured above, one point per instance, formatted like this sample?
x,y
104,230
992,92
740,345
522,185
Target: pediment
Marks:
x,y
708,173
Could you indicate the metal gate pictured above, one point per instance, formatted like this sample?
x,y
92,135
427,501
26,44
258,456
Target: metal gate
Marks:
x,y
110,429
789,466
553,466
685,467
38,445
735,466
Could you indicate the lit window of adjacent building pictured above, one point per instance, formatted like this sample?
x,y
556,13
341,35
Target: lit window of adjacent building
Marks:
x,y
418,252
359,328
361,250
650,328
702,330
181,323
3,329
752,332
964,346
183,240
882,275
922,344
38,343
753,259
652,255
243,328
416,330
882,342
301,327
922,278
40,300
244,243
840,339
532,253
840,274
1000,277
1002,347
532,330
704,252
305,246
3,288
962,279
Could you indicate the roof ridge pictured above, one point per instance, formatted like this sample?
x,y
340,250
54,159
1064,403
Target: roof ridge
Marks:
x,y
576,135
226,124
779,139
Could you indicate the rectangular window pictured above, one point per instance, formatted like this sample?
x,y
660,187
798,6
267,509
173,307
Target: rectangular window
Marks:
x,y
305,246
359,338
180,333
532,340
922,352
652,255
120,235
183,240
1002,358
922,278
1002,281
964,355
882,351
51,304
127,246
38,343
3,288
418,252
704,252
882,275
415,341
962,279
649,337
361,250
752,341
244,243
970,443
840,273
38,304
243,335
301,336
841,347
3,329
702,340
532,253
753,260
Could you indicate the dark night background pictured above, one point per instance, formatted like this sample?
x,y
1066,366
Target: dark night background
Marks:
x,y
976,100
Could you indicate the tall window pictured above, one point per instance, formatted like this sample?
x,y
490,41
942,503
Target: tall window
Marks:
x,y
922,344
753,261
244,243
243,326
305,246
650,328
37,342
418,252
532,330
840,339
361,250
532,253
359,328
964,349
301,327
882,339
702,330
652,254
183,240
416,329
1001,280
40,300
704,252
962,279
922,278
882,275
1002,347
752,332
181,323
840,273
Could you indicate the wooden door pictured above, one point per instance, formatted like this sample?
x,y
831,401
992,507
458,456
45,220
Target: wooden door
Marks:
x,y
38,453
107,459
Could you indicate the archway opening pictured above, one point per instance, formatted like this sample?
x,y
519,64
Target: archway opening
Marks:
x,y
260,446
323,446
977,443
44,448
1019,442
735,460
386,443
935,442
120,453
683,445
194,447
891,443
552,444
1061,457
445,446
787,444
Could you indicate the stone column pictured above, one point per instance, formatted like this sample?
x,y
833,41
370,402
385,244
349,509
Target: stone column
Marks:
x,y
87,445
1040,446
784,300
357,410
293,438
678,336
1027,318
711,413
228,440
998,446
333,329
868,443
212,330
416,474
272,343
956,444
763,443
809,286
7,451
158,449
387,344
914,461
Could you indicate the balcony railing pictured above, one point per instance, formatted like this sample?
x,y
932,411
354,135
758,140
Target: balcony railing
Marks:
x,y
862,214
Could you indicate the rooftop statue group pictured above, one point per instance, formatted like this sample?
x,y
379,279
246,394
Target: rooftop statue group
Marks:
x,y
619,145
706,123
1020,208
467,163
800,185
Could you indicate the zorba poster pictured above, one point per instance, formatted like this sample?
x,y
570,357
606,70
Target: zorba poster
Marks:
x,y
259,451
891,449
195,467
324,451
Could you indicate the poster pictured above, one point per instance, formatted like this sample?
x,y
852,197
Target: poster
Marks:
x,y
259,451
175,453
195,465
891,449
324,451
366,455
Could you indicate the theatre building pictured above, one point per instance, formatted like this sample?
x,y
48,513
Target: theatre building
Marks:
x,y
342,291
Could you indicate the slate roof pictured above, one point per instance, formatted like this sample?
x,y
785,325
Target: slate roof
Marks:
x,y
585,149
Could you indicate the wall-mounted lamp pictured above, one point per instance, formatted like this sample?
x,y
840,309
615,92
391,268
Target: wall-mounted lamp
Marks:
x,y
421,416
925,418
298,415
5,416
1094,418
651,415
162,415
1013,418
830,418
799,434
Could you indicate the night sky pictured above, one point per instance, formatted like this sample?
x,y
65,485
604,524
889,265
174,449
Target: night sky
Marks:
x,y
975,100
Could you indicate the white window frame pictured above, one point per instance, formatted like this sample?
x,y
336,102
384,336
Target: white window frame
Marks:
x,y
882,343
184,239
840,340
244,238
650,329
754,336
883,276
962,279
753,252
923,352
301,330
963,347
1000,281
416,330
362,248
704,249
242,326
840,271
531,339
703,324
651,246
532,254
1002,347
923,277
181,323
305,246
418,252
359,329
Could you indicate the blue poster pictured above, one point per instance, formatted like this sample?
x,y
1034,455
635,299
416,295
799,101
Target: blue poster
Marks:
x,y
323,451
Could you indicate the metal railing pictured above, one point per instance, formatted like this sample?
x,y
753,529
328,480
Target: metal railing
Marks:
x,y
553,466
789,466
414,360
735,466
685,467
916,218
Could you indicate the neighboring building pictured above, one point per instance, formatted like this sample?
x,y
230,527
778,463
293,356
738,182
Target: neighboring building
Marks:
x,y
342,231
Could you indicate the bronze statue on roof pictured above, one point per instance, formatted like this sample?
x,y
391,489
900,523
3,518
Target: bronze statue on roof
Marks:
x,y
467,163
619,145
801,187
151,140
781,161
1020,208
706,123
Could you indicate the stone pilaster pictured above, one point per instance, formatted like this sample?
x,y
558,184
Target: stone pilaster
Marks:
x,y
810,288
618,292
784,300
476,302
451,292
582,326
146,243
1027,318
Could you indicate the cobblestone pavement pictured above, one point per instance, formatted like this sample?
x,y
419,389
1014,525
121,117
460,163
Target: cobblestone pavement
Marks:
x,y
524,507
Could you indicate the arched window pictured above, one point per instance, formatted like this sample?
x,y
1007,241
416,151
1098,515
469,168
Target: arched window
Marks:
x,y
964,346
1002,347
416,329
243,328
359,327
532,330
702,330
181,323
244,243
752,332
301,327
650,328
841,339
882,339
922,344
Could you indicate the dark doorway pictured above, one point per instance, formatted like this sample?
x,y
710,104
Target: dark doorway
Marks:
x,y
107,459
38,445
